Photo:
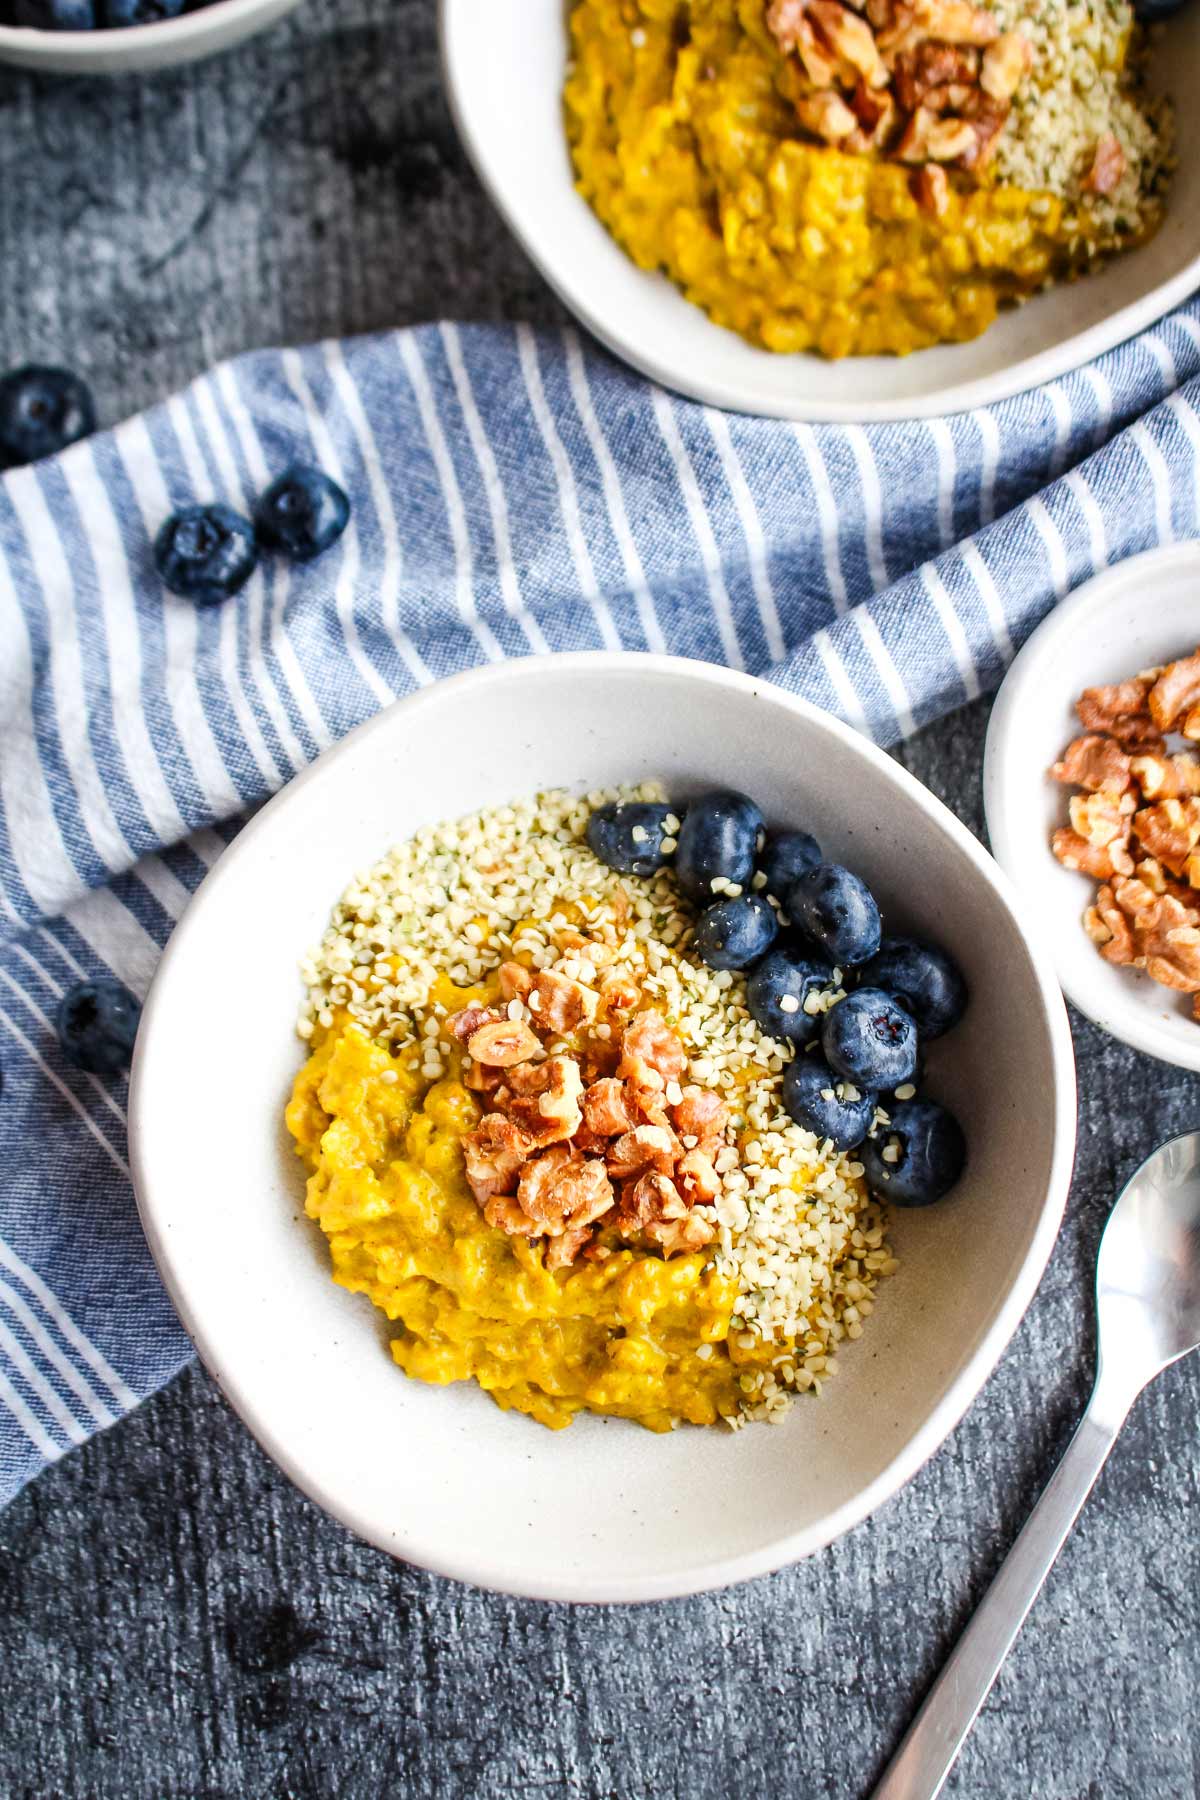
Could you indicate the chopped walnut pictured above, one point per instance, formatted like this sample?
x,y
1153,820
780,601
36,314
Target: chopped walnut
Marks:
x,y
1102,862
546,1101
930,138
560,1003
516,981
1094,763
697,1179
931,189
700,1117
1101,818
1176,691
693,1232
645,1147
494,1153
651,1054
827,116
604,1108
1004,65
503,1043
850,39
463,1025
1109,929
1170,831
1104,708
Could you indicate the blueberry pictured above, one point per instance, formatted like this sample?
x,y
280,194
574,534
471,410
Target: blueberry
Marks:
x,y
55,15
870,1040
1149,11
733,934
206,553
932,1154
719,837
42,410
787,975
820,1101
302,513
116,14
629,837
97,1023
786,856
837,911
923,979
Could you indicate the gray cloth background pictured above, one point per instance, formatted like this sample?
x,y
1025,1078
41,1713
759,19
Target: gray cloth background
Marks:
x,y
176,1623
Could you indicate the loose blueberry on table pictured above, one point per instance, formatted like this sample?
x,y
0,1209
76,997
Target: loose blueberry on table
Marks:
x,y
42,410
97,1023
302,513
858,1090
206,553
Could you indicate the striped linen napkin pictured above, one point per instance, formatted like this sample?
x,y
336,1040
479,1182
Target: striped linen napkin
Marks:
x,y
514,494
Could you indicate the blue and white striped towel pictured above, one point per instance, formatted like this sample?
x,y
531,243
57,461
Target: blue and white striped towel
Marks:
x,y
514,494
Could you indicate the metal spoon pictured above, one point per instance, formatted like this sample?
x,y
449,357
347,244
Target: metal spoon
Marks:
x,y
1148,1298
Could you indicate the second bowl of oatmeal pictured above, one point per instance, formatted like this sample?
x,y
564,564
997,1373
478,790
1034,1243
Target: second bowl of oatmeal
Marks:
x,y
485,963
732,192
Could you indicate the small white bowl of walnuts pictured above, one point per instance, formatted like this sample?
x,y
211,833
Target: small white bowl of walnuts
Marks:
x,y
1092,792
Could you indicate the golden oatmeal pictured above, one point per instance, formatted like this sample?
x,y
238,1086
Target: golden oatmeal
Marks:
x,y
877,176
551,1143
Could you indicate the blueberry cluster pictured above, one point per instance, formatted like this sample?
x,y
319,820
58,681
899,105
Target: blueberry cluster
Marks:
x,y
92,15
798,926
206,553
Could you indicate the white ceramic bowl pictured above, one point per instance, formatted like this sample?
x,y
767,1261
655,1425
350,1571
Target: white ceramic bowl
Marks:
x,y
1140,614
605,1510
141,47
504,62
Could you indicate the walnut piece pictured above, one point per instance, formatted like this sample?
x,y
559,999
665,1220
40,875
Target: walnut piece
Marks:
x,y
502,1043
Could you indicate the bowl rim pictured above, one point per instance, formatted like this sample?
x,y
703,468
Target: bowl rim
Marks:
x,y
1019,377
1123,1016
931,1432
105,39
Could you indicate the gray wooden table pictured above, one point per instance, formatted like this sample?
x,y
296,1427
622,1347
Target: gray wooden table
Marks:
x,y
176,1623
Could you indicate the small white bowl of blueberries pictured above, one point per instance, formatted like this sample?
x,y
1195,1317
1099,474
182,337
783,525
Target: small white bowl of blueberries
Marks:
x,y
117,37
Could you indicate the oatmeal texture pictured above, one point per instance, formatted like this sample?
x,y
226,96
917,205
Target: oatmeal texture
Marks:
x,y
550,1145
875,177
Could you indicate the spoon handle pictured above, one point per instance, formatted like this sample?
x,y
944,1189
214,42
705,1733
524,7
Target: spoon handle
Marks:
x,y
933,1740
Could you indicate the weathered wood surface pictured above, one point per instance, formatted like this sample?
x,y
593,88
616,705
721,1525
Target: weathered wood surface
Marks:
x,y
176,1623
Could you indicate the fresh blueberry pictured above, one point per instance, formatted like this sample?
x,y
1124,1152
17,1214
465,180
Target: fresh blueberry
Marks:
x,y
870,1040
55,15
836,909
778,989
929,1153
116,14
786,856
97,1023
1150,11
206,553
718,838
825,1104
629,837
42,410
734,934
302,513
923,979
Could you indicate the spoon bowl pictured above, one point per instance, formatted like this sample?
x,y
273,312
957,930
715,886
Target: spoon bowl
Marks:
x,y
1148,1274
